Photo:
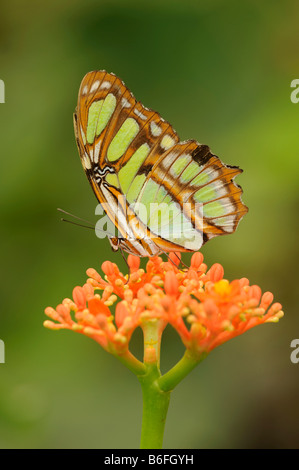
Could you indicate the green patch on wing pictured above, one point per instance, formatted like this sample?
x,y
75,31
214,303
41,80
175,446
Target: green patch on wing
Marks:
x,y
135,188
93,115
112,179
145,200
163,196
201,179
122,140
214,209
129,170
207,193
99,115
106,112
179,165
189,172
170,223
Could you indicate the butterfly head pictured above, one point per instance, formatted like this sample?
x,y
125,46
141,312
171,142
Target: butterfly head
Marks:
x,y
115,243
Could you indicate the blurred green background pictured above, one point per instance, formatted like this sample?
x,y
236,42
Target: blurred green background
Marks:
x,y
220,72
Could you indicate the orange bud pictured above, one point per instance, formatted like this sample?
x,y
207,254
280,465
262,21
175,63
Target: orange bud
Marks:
x,y
79,297
108,268
133,262
171,284
175,258
196,260
216,272
121,313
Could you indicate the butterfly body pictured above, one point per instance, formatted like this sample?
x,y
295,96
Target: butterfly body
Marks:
x,y
162,195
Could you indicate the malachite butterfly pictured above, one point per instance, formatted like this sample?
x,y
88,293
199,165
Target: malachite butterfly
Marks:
x,y
162,195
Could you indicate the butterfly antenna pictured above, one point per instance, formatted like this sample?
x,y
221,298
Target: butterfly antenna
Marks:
x,y
76,223
90,224
75,216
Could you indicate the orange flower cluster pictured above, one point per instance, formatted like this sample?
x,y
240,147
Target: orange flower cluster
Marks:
x,y
205,309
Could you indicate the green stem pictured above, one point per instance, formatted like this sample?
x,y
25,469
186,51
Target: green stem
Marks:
x,y
155,407
131,362
174,376
155,400
156,389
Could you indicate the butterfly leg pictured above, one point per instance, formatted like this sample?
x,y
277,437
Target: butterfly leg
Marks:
x,y
126,261
182,263
169,258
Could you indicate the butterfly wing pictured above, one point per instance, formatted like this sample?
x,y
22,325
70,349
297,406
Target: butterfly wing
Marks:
x,y
131,154
196,193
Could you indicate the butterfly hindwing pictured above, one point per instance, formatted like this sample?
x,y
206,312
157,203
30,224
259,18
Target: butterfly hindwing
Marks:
x,y
196,193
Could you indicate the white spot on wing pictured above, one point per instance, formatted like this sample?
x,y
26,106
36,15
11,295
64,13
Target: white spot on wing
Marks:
x,y
229,207
105,85
125,103
155,129
220,188
139,113
91,153
85,90
83,135
169,159
227,222
94,86
213,173
97,152
167,142
86,161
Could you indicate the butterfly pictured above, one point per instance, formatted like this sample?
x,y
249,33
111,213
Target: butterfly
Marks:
x,y
162,194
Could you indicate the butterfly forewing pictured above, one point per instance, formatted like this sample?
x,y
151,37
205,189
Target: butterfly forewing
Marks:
x,y
130,153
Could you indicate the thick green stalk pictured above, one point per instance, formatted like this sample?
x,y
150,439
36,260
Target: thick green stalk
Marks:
x,y
155,407
155,400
